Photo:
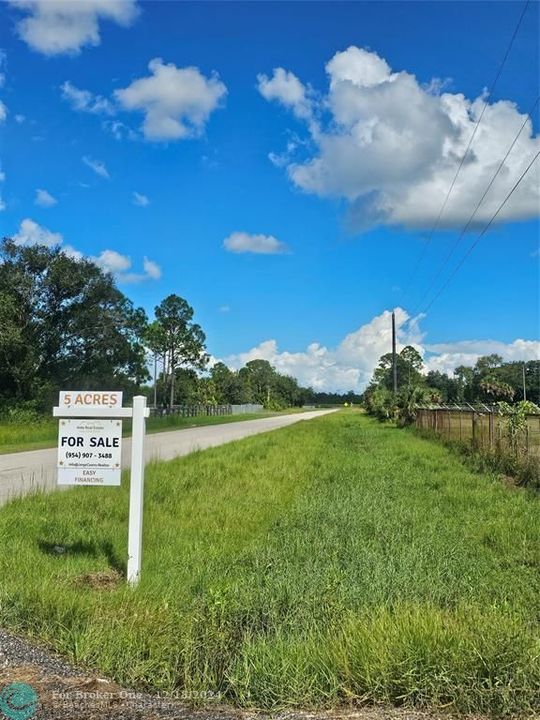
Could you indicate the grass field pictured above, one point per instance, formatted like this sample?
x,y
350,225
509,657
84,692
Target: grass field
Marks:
x,y
339,560
16,437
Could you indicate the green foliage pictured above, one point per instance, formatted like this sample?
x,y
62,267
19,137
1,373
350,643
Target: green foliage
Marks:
x,y
409,369
496,389
63,324
491,379
488,381
381,403
178,340
516,423
336,561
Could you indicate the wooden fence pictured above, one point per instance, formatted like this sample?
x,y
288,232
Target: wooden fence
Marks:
x,y
483,426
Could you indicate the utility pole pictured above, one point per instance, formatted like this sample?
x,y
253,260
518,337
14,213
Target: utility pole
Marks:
x,y
394,363
524,388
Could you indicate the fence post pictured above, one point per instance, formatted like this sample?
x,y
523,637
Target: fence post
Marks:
x,y
491,430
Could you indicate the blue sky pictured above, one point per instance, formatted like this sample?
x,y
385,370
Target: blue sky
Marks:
x,y
290,160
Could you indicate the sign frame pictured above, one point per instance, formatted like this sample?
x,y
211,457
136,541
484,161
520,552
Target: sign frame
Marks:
x,y
139,412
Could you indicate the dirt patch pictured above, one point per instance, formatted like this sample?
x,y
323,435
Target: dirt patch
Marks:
x,y
100,580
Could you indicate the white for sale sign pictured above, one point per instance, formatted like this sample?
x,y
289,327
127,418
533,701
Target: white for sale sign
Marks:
x,y
89,452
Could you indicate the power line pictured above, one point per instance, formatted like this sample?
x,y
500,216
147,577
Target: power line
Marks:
x,y
486,228
477,125
471,218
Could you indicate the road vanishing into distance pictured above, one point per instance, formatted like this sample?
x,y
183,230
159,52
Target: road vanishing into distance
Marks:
x,y
22,472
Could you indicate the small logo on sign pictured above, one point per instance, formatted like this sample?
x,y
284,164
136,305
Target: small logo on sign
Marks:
x,y
18,701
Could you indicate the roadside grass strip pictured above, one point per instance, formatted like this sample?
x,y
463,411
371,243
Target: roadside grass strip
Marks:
x,y
335,561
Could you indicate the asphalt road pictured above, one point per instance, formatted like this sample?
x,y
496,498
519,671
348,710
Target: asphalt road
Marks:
x,y
22,472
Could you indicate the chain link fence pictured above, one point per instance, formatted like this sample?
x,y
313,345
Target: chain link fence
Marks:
x,y
198,410
481,425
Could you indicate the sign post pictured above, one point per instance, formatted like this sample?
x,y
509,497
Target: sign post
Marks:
x,y
136,490
89,453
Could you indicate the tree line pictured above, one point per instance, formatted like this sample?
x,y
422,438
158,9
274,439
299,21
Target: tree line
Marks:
x,y
490,380
64,324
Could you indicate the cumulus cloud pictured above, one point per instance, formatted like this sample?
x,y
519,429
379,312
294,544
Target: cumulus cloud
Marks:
x,y
3,112
140,199
120,265
97,166
176,102
111,261
391,146
151,269
72,252
54,27
287,89
243,242
345,367
19,119
447,356
350,365
44,199
30,233
86,101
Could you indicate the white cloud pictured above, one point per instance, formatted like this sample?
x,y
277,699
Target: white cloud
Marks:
x,y
97,166
345,367
224,308
287,89
243,242
151,269
54,27
85,101
391,147
19,118
176,102
120,266
119,130
72,252
140,199
3,112
112,261
350,364
30,233
445,357
2,203
44,199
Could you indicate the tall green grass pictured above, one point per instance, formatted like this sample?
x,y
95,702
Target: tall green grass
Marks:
x,y
334,561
